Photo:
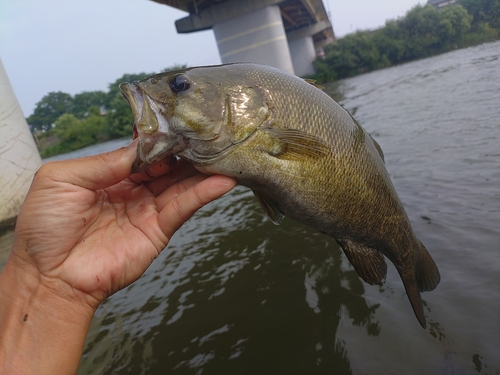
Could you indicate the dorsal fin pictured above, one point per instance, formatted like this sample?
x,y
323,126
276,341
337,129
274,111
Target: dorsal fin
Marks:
x,y
375,143
313,82
379,149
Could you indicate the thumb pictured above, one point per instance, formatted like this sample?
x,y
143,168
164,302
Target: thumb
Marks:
x,y
94,172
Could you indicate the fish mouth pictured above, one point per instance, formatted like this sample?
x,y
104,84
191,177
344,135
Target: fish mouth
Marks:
x,y
153,148
157,139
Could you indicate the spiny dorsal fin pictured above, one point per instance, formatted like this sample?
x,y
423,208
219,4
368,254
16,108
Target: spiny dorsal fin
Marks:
x,y
368,263
379,149
375,143
299,143
270,208
313,82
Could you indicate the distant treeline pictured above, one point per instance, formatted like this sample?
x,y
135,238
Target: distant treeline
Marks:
x,y
424,31
62,123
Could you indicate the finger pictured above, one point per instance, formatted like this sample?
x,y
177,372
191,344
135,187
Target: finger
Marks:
x,y
162,166
183,206
157,169
180,171
92,172
177,189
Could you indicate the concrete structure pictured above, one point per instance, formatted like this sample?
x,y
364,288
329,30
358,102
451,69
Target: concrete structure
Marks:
x,y
260,38
19,157
287,34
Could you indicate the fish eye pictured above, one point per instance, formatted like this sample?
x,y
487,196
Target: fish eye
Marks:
x,y
179,83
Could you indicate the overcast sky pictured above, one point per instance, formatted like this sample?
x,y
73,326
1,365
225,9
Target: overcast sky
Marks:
x,y
83,45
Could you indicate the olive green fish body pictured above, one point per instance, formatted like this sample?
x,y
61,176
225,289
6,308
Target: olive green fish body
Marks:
x,y
301,153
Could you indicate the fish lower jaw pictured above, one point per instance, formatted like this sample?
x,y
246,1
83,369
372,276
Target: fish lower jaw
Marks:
x,y
152,149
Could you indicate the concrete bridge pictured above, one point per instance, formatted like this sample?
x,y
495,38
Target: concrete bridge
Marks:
x,y
287,34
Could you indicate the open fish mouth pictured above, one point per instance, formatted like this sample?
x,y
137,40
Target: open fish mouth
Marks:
x,y
157,139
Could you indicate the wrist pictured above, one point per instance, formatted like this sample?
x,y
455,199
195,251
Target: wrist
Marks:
x,y
42,325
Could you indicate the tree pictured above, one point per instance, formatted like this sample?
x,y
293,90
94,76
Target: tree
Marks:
x,y
483,11
47,110
391,41
74,133
454,22
421,27
83,101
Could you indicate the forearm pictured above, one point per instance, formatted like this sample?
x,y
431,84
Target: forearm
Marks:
x,y
41,332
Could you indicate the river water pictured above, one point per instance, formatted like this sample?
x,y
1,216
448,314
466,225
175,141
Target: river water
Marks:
x,y
234,294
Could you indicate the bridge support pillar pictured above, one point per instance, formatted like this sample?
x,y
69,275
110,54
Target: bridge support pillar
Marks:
x,y
303,55
258,36
19,157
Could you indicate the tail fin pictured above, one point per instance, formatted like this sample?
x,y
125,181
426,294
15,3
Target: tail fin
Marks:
x,y
413,294
425,278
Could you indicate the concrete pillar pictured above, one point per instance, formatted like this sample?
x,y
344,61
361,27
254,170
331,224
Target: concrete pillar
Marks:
x,y
257,36
303,54
19,157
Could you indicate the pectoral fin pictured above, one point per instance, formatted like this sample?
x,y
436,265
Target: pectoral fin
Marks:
x,y
299,143
368,263
270,208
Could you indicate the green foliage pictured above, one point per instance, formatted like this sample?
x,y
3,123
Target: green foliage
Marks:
x,y
483,12
83,101
47,110
423,32
63,123
74,133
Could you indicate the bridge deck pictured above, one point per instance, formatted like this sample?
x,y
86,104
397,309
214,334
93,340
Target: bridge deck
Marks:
x,y
296,14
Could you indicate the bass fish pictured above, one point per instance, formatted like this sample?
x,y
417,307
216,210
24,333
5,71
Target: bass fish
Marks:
x,y
302,154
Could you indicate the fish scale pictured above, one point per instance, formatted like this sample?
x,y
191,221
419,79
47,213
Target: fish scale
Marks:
x,y
301,153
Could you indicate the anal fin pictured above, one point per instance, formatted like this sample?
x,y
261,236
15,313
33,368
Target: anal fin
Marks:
x,y
368,263
426,271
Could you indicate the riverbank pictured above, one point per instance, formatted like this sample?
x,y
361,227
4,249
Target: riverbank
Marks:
x,y
424,32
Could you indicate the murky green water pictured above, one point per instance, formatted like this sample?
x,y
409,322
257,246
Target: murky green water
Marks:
x,y
234,294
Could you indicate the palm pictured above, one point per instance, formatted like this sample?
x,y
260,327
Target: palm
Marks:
x,y
103,240
98,241
122,227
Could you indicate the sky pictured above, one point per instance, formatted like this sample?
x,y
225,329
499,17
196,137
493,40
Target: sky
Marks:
x,y
84,45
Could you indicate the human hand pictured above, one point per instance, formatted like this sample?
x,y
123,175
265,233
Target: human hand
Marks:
x,y
87,229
